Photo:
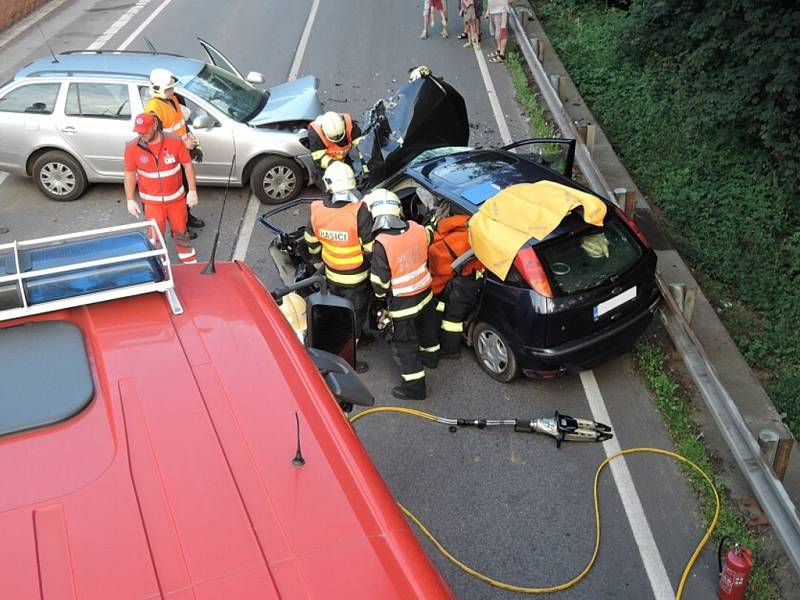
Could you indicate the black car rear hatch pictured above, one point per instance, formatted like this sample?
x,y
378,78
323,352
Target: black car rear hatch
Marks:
x,y
599,277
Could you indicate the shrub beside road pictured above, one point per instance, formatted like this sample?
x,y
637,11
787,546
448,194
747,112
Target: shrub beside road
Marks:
x,y
704,134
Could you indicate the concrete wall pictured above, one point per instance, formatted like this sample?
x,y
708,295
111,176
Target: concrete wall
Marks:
x,y
13,10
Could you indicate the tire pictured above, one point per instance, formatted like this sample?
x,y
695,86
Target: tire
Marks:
x,y
59,176
276,179
493,353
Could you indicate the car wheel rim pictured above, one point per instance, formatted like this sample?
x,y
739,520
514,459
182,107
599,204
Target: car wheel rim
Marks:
x,y
279,182
493,352
57,178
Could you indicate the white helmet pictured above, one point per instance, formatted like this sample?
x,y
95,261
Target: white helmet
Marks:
x,y
160,81
386,209
333,125
340,181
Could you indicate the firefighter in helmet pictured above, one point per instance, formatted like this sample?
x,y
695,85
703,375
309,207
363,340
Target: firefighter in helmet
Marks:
x,y
340,232
331,136
402,283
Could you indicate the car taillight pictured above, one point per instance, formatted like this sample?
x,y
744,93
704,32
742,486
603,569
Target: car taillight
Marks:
x,y
531,269
633,226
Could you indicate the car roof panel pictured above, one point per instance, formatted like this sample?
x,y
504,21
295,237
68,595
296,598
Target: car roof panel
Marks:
x,y
125,65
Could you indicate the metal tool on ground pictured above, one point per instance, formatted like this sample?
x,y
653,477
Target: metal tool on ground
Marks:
x,y
569,427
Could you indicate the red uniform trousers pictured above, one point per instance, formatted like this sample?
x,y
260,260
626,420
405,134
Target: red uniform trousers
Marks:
x,y
175,213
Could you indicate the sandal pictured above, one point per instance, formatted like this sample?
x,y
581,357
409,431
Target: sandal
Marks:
x,y
492,54
445,35
461,36
423,35
467,44
497,59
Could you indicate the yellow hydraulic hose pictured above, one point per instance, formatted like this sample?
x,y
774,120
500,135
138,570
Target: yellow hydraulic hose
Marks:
x,y
590,564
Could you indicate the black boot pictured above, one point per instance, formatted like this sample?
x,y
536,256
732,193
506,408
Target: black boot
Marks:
x,y
361,366
195,222
404,393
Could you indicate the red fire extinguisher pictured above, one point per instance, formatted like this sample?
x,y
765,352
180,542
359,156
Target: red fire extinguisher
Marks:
x,y
734,573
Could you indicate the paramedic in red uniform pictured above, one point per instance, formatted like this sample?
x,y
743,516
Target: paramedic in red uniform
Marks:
x,y
154,159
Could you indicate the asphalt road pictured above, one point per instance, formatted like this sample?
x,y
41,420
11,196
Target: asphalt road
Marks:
x,y
508,504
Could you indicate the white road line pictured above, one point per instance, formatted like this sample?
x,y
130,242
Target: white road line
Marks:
x,y
141,27
246,228
505,134
33,18
251,213
301,47
117,25
3,176
651,557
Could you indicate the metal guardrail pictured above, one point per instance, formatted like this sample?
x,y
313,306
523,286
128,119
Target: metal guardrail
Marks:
x,y
768,489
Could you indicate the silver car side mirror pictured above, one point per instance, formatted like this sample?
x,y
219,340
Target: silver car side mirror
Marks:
x,y
203,122
255,77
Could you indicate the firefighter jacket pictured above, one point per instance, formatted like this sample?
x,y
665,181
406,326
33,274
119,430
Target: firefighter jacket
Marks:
x,y
399,270
450,241
158,167
324,150
342,234
169,113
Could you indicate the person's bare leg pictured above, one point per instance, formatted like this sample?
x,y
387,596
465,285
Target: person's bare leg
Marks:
x,y
424,33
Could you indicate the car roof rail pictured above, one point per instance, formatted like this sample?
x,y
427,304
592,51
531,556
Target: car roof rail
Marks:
x,y
85,73
74,269
145,52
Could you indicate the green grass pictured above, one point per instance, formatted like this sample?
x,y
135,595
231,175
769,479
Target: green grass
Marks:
x,y
652,363
539,126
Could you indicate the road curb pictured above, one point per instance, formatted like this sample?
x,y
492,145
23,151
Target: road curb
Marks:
x,y
729,364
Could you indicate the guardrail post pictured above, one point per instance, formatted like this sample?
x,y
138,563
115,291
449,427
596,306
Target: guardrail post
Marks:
x,y
557,81
782,453
630,203
591,131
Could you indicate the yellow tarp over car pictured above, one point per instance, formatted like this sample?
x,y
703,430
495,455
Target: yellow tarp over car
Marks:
x,y
523,211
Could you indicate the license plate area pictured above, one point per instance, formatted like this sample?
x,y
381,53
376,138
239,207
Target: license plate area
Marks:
x,y
605,307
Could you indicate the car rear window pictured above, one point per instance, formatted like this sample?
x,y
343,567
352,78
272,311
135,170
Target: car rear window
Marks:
x,y
45,373
590,257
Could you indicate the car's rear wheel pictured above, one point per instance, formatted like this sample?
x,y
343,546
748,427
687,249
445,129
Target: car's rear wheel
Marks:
x,y
276,179
59,176
493,353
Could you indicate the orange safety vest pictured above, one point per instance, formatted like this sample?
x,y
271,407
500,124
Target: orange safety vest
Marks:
x,y
337,231
408,260
169,113
159,176
333,150
450,240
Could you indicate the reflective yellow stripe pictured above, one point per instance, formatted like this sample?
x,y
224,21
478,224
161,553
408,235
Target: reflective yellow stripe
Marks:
x,y
317,154
346,279
340,250
310,237
413,376
406,312
351,262
377,281
431,349
314,250
368,246
440,306
452,326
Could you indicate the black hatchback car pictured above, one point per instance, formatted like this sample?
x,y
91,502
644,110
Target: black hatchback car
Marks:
x,y
562,306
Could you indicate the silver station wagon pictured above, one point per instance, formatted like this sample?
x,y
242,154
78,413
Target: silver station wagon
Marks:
x,y
65,119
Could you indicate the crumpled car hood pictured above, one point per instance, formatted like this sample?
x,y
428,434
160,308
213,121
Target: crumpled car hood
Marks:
x,y
423,114
291,101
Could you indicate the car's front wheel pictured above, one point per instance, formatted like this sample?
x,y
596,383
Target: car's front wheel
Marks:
x,y
59,176
493,353
276,179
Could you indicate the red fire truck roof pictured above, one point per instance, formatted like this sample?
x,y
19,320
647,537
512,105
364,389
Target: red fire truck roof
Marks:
x,y
176,480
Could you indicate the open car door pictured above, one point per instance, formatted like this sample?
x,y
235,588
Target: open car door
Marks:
x,y
557,154
218,59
